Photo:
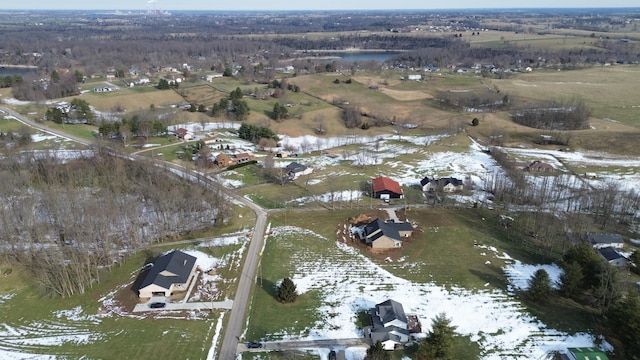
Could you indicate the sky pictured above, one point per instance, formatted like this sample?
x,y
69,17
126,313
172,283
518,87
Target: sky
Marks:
x,y
169,5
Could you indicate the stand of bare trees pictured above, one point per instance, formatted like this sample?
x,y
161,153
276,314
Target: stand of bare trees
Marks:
x,y
566,115
66,221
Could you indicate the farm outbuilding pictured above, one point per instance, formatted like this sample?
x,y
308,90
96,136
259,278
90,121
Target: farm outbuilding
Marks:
x,y
385,188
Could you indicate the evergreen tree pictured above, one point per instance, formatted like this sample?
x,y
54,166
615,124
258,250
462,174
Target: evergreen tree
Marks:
x,y
55,76
287,291
82,109
439,341
624,319
571,280
78,75
588,259
236,94
280,112
377,352
540,286
242,109
163,84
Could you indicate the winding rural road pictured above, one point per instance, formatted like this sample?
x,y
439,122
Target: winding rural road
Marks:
x,y
246,280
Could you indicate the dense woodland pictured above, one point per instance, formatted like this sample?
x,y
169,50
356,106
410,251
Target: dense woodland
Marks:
x,y
66,220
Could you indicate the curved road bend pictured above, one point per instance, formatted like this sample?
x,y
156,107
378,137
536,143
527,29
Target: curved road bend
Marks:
x,y
247,277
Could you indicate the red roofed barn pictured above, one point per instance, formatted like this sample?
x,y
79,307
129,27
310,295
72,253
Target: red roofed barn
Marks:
x,y
385,188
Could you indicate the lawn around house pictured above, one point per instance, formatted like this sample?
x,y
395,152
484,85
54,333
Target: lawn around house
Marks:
x,y
73,327
453,248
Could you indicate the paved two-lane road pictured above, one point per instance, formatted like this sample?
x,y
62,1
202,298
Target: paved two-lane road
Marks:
x,y
246,281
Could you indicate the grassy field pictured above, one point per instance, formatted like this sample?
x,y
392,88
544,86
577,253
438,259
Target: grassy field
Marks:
x,y
132,99
444,251
72,327
607,91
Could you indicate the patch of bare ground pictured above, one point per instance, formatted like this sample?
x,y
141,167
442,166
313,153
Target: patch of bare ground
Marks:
x,y
405,95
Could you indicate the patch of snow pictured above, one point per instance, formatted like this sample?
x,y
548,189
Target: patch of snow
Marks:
x,y
519,274
76,314
493,318
42,137
346,195
6,297
211,355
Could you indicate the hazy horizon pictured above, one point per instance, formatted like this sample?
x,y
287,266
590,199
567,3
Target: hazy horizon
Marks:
x,y
254,5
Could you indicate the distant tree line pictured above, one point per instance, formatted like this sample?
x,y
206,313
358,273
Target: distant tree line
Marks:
x,y
209,44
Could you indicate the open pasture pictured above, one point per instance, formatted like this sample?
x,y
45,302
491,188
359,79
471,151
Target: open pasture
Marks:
x,y
202,94
609,91
131,100
337,278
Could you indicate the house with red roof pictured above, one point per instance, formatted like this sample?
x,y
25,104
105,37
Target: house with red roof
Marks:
x,y
385,188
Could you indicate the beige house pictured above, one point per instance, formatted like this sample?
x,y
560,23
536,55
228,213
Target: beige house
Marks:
x,y
171,273
380,234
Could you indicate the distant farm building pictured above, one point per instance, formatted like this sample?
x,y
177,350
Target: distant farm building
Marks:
x,y
446,184
224,159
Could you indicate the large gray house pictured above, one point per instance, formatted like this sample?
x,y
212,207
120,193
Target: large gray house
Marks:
x,y
171,273
390,324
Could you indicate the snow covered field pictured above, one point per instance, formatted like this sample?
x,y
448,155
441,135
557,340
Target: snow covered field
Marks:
x,y
353,283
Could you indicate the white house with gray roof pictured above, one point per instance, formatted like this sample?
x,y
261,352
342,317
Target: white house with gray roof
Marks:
x,y
602,240
389,325
171,273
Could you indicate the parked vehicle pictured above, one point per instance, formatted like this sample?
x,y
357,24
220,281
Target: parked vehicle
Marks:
x,y
157,305
254,345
